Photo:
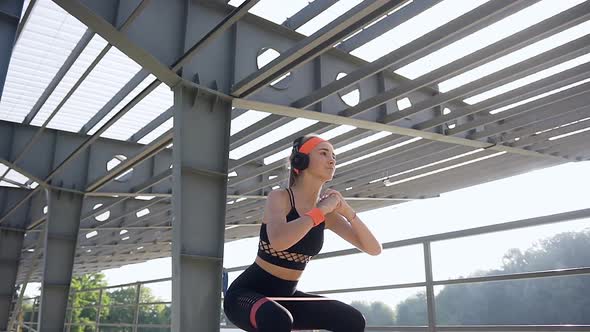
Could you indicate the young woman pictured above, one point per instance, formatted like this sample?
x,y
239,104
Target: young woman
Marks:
x,y
265,296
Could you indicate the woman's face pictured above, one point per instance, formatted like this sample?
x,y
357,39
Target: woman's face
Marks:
x,y
322,161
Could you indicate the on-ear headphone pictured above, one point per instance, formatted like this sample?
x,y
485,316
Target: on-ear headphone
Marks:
x,y
300,161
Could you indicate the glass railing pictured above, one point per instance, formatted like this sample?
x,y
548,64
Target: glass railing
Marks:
x,y
130,309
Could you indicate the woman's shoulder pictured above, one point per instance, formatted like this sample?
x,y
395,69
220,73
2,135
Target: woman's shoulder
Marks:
x,y
277,206
279,198
279,194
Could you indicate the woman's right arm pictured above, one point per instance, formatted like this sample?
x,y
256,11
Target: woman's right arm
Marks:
x,y
283,234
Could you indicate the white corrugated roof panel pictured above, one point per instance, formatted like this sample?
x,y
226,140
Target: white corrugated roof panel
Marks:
x,y
48,38
521,55
107,78
270,137
164,127
529,79
491,34
245,120
154,104
328,135
414,28
275,11
69,80
149,79
327,16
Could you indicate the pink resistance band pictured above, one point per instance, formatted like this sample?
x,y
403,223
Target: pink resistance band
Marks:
x,y
255,308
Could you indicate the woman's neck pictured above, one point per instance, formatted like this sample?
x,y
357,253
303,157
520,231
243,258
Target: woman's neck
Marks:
x,y
307,190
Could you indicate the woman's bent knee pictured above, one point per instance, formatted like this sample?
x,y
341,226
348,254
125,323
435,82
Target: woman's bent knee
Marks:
x,y
271,316
355,321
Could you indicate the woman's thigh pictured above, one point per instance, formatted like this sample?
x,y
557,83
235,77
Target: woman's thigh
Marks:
x,y
317,312
252,311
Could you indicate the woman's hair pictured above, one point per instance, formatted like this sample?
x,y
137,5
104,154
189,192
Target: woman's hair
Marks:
x,y
292,175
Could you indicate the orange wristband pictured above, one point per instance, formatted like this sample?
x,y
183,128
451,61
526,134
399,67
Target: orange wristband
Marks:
x,y
316,215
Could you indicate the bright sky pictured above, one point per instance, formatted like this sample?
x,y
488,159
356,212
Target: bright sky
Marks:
x,y
538,193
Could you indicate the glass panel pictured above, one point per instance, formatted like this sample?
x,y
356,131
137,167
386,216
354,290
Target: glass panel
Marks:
x,y
389,307
115,329
546,301
123,295
540,248
393,266
157,291
155,314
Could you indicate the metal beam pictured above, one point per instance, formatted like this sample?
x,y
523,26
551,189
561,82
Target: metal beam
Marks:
x,y
201,128
391,163
547,122
545,145
430,300
542,102
277,146
10,12
370,125
403,14
500,227
308,12
530,90
164,218
58,261
506,130
538,140
157,122
316,44
575,146
339,141
147,152
260,128
413,165
11,243
25,19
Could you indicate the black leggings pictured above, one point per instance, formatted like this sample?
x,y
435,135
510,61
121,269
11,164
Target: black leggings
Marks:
x,y
259,301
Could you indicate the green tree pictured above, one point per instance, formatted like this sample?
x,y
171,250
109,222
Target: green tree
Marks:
x,y
376,313
412,311
82,301
123,310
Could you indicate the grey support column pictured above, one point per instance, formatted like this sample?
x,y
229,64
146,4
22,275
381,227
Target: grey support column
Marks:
x,y
63,222
11,243
10,12
430,298
201,144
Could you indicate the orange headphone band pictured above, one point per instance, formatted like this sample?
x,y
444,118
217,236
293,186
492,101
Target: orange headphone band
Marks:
x,y
310,144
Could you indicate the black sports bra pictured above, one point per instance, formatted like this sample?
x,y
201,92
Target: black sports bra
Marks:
x,y
298,255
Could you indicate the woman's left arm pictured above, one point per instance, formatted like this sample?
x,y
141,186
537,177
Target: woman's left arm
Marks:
x,y
344,222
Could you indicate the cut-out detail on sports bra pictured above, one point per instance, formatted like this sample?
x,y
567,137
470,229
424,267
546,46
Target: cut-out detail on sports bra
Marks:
x,y
290,256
